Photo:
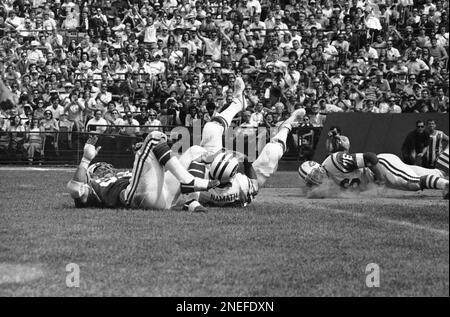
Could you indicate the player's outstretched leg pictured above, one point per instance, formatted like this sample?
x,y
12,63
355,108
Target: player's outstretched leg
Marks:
x,y
213,131
267,162
188,183
147,180
442,162
402,176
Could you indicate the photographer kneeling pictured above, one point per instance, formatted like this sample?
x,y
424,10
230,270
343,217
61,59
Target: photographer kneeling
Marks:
x,y
336,142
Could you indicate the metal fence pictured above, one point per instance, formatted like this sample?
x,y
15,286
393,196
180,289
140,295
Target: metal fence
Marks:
x,y
66,148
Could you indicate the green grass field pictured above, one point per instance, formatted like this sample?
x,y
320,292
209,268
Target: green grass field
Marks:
x,y
282,245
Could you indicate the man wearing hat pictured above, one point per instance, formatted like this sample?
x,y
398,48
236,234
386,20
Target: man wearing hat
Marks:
x,y
35,54
26,29
191,22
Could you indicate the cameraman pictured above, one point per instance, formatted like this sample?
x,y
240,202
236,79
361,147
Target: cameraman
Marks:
x,y
336,142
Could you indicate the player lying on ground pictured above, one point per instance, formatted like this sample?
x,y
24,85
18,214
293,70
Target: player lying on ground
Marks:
x,y
148,186
358,171
240,179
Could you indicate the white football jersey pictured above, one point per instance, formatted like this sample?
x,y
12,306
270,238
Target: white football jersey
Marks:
x,y
239,192
347,170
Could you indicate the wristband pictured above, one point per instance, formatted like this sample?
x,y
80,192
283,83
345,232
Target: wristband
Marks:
x,y
85,163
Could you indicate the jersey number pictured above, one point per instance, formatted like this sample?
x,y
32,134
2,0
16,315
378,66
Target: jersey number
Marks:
x,y
350,183
347,161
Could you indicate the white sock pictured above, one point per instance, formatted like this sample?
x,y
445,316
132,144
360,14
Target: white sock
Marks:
x,y
282,134
179,171
442,183
229,113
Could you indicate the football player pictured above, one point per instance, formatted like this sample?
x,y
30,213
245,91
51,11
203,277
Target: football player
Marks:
x,y
240,179
442,162
148,186
357,171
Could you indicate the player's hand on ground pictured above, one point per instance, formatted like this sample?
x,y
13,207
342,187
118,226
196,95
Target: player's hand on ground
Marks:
x,y
90,151
213,183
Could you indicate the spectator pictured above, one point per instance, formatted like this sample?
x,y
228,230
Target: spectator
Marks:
x,y
304,53
33,139
130,125
153,124
97,124
65,136
316,118
50,138
17,136
437,142
56,109
336,141
415,145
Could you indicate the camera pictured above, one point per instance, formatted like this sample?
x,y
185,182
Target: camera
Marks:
x,y
333,133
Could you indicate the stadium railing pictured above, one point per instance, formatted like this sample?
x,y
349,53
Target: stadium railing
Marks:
x,y
65,148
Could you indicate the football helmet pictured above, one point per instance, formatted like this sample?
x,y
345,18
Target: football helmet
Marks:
x,y
224,166
312,173
100,170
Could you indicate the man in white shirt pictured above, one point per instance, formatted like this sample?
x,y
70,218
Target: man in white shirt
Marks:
x,y
292,77
48,23
258,26
55,108
156,67
34,55
329,50
97,124
149,31
392,53
257,117
104,96
132,126
369,52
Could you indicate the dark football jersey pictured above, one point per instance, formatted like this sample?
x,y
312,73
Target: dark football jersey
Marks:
x,y
105,192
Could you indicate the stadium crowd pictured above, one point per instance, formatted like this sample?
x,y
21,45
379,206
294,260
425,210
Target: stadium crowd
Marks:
x,y
131,66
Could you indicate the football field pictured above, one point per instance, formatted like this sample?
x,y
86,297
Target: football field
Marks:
x,y
281,245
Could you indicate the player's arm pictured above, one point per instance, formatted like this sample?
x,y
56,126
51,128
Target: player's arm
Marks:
x,y
369,160
77,186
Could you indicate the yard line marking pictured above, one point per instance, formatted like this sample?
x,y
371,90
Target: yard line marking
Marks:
x,y
386,220
19,273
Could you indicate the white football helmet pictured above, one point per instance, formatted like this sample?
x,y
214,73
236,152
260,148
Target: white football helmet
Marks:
x,y
312,173
100,170
224,167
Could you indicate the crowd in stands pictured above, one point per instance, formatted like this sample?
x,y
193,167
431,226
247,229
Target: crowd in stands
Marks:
x,y
129,66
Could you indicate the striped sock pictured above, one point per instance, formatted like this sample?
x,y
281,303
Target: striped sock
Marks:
x,y
196,185
197,169
442,162
282,135
162,153
432,182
